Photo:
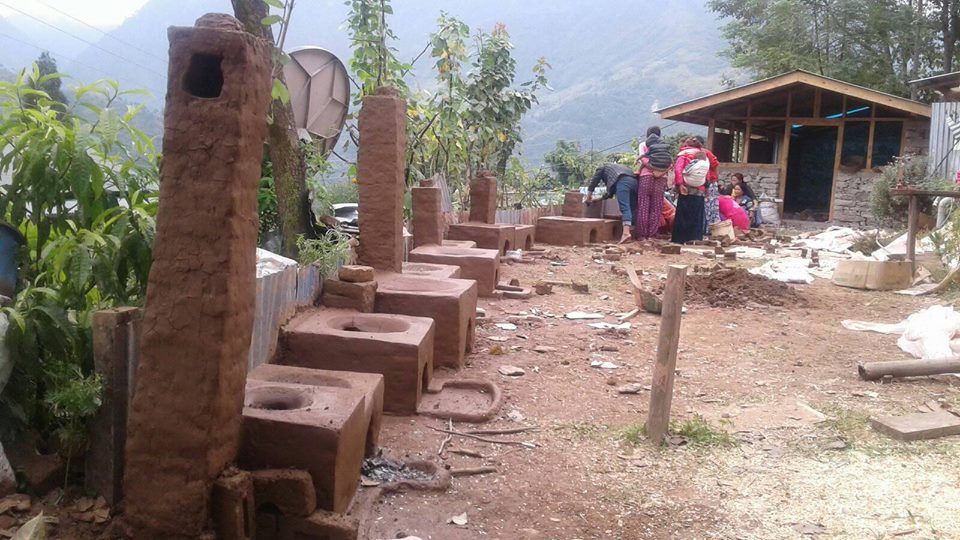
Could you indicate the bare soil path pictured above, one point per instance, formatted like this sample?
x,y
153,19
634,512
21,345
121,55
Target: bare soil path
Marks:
x,y
780,474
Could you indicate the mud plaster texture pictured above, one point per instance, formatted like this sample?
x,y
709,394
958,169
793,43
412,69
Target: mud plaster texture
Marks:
x,y
312,428
428,222
498,236
483,198
369,384
573,204
380,171
524,237
451,303
569,231
184,425
399,347
481,265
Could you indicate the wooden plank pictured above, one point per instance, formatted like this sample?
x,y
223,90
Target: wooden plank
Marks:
x,y
918,426
711,127
865,94
745,158
784,163
664,370
873,126
836,168
796,77
817,102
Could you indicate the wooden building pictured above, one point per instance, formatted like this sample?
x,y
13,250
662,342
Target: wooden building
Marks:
x,y
814,142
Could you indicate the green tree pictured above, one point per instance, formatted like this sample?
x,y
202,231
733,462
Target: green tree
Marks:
x,y
288,164
50,86
875,43
80,193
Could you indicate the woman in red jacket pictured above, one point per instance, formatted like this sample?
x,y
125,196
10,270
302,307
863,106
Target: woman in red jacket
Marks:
x,y
711,207
689,178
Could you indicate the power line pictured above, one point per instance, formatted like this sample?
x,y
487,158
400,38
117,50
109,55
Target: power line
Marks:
x,y
88,42
42,49
88,25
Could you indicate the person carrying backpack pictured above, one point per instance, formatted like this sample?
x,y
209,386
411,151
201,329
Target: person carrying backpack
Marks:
x,y
653,163
711,209
690,178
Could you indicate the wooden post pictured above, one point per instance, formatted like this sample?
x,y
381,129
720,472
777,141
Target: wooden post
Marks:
x,y
711,129
912,234
116,335
661,394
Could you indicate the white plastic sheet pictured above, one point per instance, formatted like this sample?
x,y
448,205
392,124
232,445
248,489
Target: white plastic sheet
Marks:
x,y
271,263
835,239
929,334
788,270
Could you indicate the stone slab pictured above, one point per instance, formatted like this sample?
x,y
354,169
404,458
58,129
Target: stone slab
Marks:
x,y
918,426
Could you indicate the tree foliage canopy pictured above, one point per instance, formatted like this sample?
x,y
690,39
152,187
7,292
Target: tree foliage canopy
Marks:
x,y
880,44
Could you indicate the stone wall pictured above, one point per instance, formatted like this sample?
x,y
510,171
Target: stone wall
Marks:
x,y
763,179
917,137
851,198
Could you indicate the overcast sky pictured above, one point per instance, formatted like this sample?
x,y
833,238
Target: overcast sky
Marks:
x,y
104,14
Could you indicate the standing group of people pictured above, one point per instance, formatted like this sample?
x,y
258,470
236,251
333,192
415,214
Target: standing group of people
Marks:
x,y
693,172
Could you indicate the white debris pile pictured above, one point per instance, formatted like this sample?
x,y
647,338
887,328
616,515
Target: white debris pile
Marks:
x,y
929,334
834,239
787,270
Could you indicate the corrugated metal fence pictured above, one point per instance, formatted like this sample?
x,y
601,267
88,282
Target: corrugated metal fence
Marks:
x,y
524,216
944,154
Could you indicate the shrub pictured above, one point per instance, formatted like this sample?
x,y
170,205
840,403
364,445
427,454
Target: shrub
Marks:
x,y
910,171
81,194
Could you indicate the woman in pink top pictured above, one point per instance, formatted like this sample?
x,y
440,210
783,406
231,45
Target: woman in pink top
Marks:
x,y
730,209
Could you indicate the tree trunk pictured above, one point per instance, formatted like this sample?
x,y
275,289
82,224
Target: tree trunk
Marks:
x,y
289,166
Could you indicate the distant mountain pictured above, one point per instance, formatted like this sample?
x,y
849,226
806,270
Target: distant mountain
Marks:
x,y
613,60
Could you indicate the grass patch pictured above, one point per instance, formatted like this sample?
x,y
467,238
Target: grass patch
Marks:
x,y
581,430
849,424
695,432
634,435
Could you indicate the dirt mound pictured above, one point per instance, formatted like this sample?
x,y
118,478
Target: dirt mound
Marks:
x,y
735,287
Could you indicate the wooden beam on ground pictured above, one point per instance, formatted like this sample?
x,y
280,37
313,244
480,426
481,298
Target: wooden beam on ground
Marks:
x,y
872,371
664,370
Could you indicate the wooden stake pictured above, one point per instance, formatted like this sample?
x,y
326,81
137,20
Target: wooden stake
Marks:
x,y
661,393
912,234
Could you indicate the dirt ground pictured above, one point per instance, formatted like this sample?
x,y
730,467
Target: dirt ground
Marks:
x,y
779,472
753,372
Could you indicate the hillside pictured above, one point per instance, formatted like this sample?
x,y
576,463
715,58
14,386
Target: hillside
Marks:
x,y
613,60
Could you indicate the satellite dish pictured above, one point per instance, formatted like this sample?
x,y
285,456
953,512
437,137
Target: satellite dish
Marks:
x,y
319,94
